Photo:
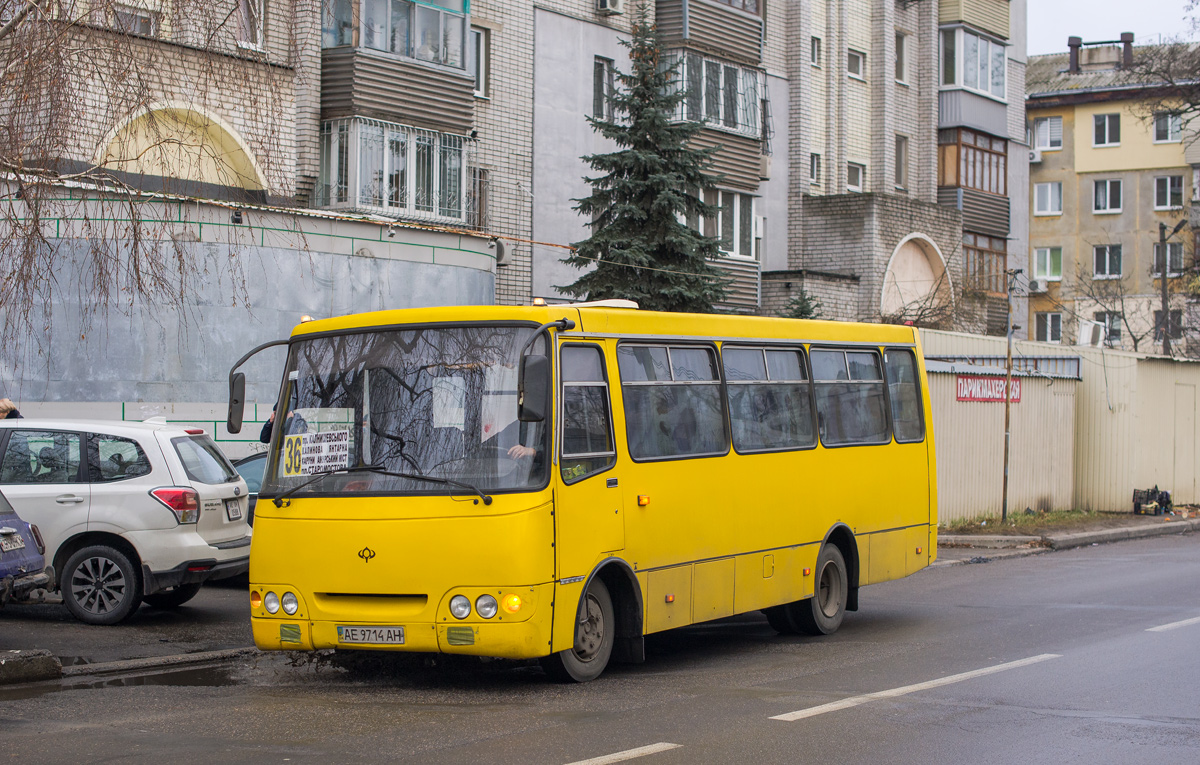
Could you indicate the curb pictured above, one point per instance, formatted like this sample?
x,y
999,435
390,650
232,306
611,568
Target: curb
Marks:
x,y
1084,538
156,662
39,665
1068,541
28,666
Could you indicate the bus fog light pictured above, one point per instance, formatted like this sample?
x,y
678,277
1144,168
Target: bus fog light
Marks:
x,y
290,604
271,602
460,607
485,606
512,603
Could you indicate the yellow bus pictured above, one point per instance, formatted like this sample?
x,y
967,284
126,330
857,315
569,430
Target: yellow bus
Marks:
x,y
556,482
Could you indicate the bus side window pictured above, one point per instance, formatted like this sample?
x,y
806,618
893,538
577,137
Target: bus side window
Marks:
x,y
587,445
850,397
770,407
905,394
673,405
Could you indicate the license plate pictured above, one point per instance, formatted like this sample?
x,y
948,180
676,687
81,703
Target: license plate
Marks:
x,y
233,508
371,635
8,543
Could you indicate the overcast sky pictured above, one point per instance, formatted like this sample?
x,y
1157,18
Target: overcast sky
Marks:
x,y
1051,22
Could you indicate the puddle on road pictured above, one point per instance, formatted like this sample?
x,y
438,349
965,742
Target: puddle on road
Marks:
x,y
195,676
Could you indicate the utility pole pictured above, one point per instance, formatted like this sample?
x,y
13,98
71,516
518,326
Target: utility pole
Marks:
x,y
1012,279
1163,236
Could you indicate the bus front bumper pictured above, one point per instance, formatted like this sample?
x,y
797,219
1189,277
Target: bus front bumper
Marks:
x,y
512,640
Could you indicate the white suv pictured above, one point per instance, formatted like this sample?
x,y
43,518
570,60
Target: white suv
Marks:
x,y
131,512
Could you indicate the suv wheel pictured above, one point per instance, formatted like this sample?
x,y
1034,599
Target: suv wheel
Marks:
x,y
100,585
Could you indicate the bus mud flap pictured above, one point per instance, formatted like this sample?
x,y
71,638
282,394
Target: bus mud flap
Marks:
x,y
629,650
852,599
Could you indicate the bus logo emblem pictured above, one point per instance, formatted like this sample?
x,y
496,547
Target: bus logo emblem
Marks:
x,y
366,554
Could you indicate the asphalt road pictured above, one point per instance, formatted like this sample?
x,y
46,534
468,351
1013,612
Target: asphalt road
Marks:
x,y
1043,659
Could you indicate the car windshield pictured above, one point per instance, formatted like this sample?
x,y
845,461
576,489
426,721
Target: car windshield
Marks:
x,y
434,402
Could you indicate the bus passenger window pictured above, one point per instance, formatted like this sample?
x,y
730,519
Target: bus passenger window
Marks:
x,y
672,401
901,368
850,397
769,402
587,446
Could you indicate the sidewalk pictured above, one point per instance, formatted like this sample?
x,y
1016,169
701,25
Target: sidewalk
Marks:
x,y
956,549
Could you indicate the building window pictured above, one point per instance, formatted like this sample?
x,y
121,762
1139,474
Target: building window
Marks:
x,y
814,169
1176,328
1047,133
136,21
1168,192
1047,263
1106,130
749,6
1048,327
985,258
1168,128
250,23
419,29
603,87
722,95
901,162
1107,196
973,160
337,23
855,64
1111,320
1047,198
815,51
1106,261
732,226
901,57
478,59
854,176
974,62
393,170
1174,252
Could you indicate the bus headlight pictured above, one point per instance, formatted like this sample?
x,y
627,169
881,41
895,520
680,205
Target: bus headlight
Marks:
x,y
485,606
271,601
290,604
460,607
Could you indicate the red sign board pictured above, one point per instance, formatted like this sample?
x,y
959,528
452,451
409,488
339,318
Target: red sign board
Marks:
x,y
990,388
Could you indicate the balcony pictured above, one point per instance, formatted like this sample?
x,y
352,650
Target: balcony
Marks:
x,y
401,172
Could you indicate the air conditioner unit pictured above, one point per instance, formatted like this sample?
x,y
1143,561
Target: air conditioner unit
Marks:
x,y
610,7
1035,156
1091,333
1036,286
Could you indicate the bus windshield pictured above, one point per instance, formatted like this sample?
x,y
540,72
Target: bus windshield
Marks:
x,y
433,403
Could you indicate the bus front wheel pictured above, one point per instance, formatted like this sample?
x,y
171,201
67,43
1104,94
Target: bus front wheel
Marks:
x,y
822,613
588,657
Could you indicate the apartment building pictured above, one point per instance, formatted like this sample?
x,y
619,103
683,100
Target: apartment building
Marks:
x,y
1111,173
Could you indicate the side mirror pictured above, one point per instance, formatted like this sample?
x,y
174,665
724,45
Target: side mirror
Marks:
x,y
533,389
237,402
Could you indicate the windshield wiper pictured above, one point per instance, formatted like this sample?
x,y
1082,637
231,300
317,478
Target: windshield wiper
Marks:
x,y
380,470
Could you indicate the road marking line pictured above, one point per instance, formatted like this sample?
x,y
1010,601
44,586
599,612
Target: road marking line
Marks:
x,y
855,701
1174,625
628,754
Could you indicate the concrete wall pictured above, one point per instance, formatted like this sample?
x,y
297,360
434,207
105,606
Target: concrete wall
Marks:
x,y
244,285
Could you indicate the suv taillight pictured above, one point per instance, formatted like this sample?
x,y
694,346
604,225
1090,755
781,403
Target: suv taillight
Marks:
x,y
185,503
37,539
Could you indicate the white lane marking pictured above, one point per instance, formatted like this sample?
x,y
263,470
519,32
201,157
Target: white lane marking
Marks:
x,y
628,754
1174,625
855,701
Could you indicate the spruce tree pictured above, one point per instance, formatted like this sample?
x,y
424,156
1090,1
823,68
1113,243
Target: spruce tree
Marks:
x,y
649,189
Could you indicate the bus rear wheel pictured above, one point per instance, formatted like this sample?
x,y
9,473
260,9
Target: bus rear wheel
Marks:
x,y
822,614
594,630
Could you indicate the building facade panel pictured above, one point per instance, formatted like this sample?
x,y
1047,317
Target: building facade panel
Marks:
x,y
985,15
360,82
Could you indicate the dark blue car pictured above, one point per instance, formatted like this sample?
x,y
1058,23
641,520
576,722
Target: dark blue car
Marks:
x,y
22,565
